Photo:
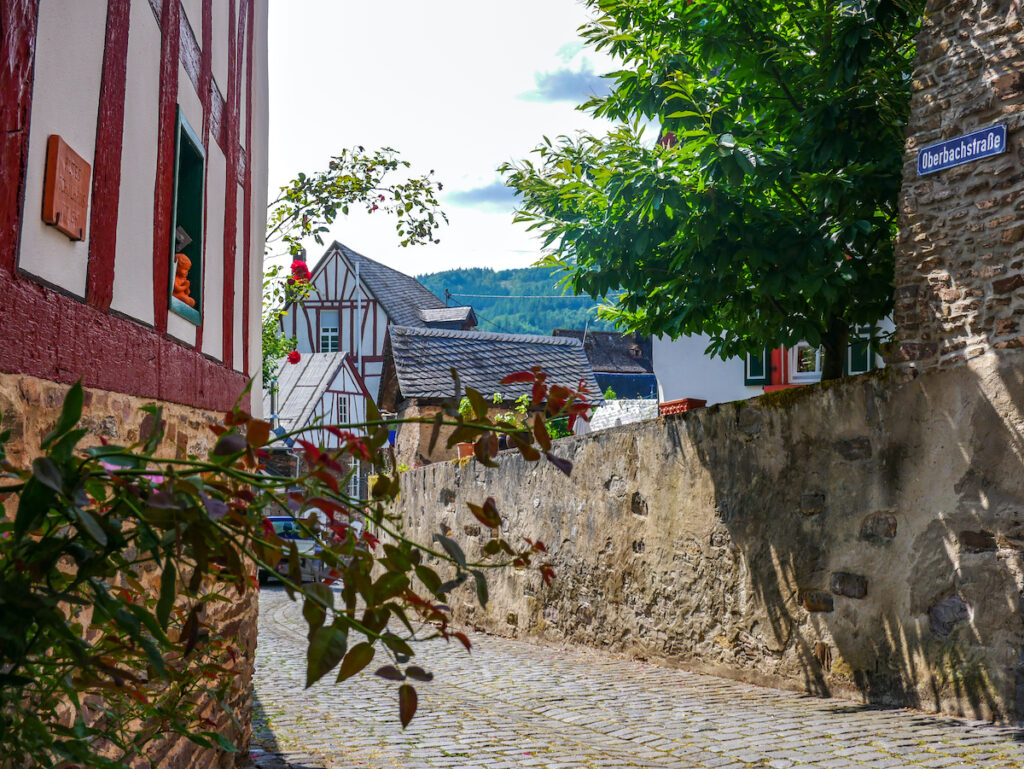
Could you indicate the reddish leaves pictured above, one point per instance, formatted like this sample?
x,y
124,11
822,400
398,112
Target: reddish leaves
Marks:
x,y
407,701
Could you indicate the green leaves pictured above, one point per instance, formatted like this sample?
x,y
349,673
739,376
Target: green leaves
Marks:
x,y
358,657
326,649
781,131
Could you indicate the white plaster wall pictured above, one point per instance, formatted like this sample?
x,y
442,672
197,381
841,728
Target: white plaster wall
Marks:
x,y
238,322
181,329
194,14
189,101
213,270
133,265
685,371
220,43
65,99
258,159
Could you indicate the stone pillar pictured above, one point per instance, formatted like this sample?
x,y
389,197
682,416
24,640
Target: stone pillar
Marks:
x,y
959,255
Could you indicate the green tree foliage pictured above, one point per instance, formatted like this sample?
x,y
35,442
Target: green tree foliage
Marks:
x,y
306,207
496,296
765,212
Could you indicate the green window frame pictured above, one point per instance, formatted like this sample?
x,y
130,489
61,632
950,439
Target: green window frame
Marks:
x,y
188,214
757,369
860,357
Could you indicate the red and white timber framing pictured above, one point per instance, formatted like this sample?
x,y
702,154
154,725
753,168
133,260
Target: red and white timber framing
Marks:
x,y
58,333
362,322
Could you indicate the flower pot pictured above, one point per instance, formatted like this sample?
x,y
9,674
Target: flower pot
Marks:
x,y
465,449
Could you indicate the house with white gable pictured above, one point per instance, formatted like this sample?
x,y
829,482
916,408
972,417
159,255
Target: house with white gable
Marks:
x,y
352,302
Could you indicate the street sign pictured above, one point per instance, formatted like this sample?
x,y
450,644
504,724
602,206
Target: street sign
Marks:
x,y
964,149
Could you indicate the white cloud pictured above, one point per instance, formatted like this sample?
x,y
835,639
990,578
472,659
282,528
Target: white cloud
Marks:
x,y
440,82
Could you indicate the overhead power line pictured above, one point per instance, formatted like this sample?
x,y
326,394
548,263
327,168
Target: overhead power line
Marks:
x,y
519,296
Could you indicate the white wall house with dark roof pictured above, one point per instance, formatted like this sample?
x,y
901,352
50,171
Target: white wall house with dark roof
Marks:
x,y
354,300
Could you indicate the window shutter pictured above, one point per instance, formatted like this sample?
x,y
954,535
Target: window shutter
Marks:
x,y
858,356
757,370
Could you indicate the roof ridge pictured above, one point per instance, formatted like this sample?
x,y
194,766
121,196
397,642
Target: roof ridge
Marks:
x,y
489,336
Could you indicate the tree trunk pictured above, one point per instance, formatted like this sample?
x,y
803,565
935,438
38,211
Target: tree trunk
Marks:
x,y
834,344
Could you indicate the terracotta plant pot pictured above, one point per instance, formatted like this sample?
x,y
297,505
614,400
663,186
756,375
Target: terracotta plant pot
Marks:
x,y
465,449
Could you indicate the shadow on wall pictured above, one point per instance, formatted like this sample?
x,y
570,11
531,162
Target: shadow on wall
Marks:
x,y
881,532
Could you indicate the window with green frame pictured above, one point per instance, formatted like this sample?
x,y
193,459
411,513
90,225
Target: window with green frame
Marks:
x,y
757,369
187,221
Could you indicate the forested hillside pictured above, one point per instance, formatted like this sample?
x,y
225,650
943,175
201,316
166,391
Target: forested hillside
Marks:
x,y
510,312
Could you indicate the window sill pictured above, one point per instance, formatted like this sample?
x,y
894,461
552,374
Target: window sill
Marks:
x,y
191,314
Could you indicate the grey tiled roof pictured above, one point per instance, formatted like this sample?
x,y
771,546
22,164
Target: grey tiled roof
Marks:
x,y
423,358
401,296
447,315
613,351
300,386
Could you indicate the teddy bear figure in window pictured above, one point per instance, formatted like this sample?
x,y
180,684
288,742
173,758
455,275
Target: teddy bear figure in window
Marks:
x,y
182,265
181,281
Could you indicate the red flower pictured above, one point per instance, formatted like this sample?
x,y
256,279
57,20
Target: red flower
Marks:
x,y
294,357
300,271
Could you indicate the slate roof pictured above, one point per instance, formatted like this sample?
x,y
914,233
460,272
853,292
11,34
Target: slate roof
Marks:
x,y
422,359
300,386
448,316
612,351
401,296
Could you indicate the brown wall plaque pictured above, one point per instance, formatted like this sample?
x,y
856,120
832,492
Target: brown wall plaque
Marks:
x,y
66,189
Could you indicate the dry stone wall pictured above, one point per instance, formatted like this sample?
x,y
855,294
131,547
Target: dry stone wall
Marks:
x,y
859,539
959,254
29,408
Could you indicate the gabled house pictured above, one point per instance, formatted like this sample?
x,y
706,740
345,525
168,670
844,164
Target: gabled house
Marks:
x,y
352,302
417,378
623,362
321,389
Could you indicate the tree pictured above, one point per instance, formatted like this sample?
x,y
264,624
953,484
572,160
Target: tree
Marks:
x,y
309,204
764,213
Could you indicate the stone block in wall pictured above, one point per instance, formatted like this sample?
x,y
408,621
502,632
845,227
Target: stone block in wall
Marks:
x,y
817,601
879,527
848,585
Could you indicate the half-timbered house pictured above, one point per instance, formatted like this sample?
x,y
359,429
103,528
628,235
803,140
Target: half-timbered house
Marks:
x,y
353,300
133,177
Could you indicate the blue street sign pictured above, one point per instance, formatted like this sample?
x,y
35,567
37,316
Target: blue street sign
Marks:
x,y
964,149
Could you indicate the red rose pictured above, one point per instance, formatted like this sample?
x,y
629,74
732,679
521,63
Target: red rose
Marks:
x,y
294,357
300,271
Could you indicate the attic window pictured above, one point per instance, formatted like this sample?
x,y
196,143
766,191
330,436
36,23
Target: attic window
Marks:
x,y
186,245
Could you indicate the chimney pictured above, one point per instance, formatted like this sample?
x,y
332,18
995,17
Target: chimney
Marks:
x,y
300,255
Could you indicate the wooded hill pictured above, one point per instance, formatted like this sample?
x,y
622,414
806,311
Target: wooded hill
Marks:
x,y
496,296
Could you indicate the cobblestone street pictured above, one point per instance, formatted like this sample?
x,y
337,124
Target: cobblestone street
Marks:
x,y
512,704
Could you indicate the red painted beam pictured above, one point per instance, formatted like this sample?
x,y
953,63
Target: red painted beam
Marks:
x,y
18,21
106,180
231,187
206,96
56,337
247,194
170,26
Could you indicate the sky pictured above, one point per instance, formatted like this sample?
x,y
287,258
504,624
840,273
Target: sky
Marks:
x,y
457,86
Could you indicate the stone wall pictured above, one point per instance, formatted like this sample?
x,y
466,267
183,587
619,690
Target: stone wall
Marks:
x,y
959,259
860,539
29,408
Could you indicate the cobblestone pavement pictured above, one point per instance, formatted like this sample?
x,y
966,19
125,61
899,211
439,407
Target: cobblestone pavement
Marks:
x,y
511,704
